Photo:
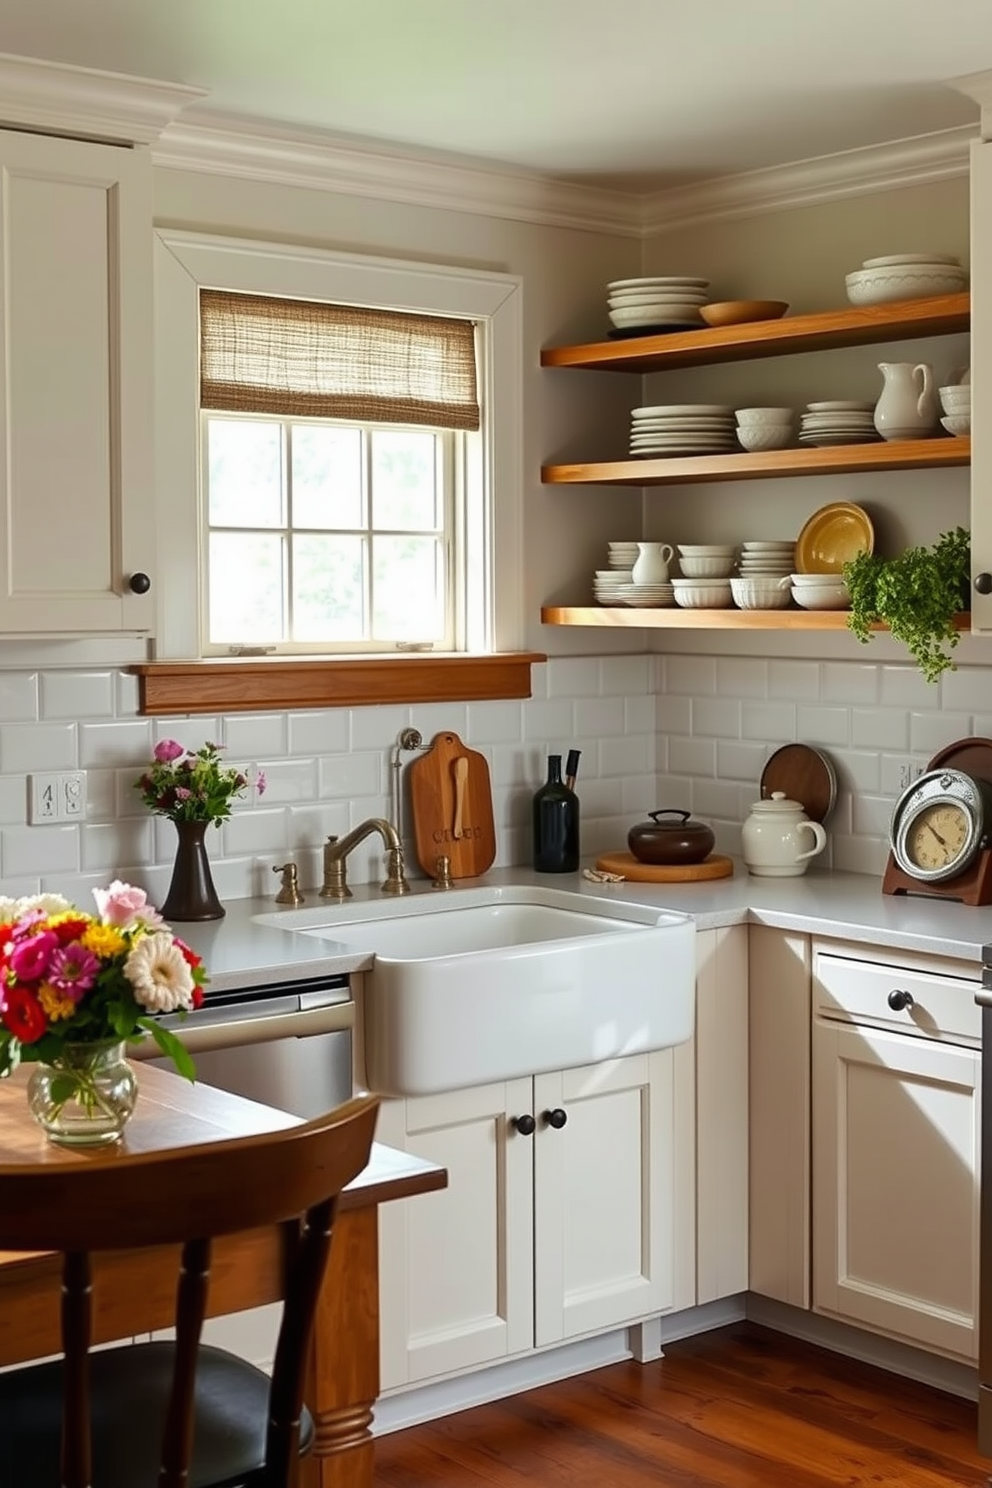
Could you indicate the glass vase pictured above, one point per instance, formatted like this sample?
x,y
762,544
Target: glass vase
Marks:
x,y
86,1096
192,895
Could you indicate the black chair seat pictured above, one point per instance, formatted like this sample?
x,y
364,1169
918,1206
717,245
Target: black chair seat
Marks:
x,y
129,1389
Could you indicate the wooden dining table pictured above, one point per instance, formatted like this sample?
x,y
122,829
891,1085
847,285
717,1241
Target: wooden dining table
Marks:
x,y
134,1291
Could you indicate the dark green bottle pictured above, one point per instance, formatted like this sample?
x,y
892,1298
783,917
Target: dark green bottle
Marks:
x,y
556,823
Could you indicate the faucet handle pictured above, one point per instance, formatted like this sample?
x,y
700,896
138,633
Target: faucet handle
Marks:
x,y
396,881
289,892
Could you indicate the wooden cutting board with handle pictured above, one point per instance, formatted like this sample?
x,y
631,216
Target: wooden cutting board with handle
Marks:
x,y
452,803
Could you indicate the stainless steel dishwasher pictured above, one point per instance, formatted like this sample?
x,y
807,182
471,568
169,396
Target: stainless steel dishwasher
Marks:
x,y
285,1044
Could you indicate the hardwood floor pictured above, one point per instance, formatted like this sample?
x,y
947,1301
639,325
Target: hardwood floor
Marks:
x,y
741,1407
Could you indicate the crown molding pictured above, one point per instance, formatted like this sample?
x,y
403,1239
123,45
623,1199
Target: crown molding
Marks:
x,y
901,163
232,145
87,103
978,86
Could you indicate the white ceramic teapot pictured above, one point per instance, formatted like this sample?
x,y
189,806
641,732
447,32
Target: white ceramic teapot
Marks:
x,y
775,838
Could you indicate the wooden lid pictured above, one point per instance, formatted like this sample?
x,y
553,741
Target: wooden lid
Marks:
x,y
805,775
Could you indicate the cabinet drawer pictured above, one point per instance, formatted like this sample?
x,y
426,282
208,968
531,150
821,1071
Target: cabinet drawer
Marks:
x,y
858,991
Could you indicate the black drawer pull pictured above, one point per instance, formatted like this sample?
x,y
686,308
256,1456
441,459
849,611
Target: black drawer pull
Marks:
x,y
899,999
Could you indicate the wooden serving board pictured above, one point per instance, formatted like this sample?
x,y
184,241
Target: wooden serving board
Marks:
x,y
452,805
715,866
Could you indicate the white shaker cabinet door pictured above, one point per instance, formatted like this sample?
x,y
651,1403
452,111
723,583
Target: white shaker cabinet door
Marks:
x,y
896,1185
603,1191
76,509
456,1272
981,384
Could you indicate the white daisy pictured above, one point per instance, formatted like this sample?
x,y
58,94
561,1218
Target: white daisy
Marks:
x,y
159,974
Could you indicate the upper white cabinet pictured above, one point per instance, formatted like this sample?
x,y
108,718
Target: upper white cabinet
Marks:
x,y
77,534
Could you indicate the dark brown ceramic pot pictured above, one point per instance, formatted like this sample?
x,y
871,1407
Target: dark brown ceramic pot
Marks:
x,y
678,840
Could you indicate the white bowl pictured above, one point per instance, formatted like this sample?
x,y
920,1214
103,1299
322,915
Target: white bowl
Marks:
x,y
702,595
816,580
957,423
761,594
654,315
895,260
903,282
764,436
955,399
765,415
707,550
706,568
821,596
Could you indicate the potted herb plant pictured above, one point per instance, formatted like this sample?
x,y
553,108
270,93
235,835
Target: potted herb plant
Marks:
x,y
917,596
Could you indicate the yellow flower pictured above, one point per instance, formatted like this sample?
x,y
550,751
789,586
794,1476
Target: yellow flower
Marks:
x,y
105,941
55,1006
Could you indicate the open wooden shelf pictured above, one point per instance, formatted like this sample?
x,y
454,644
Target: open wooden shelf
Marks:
x,y
939,315
903,454
674,618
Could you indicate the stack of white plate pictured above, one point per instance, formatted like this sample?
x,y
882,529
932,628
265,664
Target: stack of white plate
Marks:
x,y
838,421
608,585
647,596
774,558
622,555
660,302
683,429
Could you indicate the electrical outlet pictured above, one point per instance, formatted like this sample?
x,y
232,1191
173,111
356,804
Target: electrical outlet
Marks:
x,y
56,797
908,772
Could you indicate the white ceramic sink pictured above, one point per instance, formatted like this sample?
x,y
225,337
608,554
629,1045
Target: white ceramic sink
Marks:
x,y
491,984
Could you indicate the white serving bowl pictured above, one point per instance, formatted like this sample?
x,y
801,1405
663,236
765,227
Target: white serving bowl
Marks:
x,y
703,594
654,315
957,423
764,436
707,550
955,399
761,594
894,260
903,282
821,596
706,567
765,415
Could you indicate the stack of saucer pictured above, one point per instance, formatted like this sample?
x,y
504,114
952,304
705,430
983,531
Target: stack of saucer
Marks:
x,y
768,558
663,302
622,555
608,585
838,421
683,429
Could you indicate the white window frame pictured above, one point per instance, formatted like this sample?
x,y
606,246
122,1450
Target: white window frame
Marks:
x,y
186,262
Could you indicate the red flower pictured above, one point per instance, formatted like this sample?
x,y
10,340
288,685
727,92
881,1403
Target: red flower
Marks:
x,y
189,955
22,1015
197,997
70,930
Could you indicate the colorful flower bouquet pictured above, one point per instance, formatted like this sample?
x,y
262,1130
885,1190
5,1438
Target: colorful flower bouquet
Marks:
x,y
68,978
192,785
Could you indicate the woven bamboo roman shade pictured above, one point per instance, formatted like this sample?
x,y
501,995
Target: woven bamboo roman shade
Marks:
x,y
303,358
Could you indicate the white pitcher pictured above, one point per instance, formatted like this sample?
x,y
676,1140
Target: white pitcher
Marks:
x,y
908,407
651,563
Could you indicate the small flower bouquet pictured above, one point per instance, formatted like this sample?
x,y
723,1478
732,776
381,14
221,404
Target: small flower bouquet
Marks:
x,y
68,978
192,785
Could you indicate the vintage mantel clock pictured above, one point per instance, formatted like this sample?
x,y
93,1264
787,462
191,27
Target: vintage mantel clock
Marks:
x,y
940,836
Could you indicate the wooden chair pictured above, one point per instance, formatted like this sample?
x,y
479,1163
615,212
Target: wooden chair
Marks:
x,y
174,1415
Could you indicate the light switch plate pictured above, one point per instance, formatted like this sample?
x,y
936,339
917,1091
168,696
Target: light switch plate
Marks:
x,y
56,797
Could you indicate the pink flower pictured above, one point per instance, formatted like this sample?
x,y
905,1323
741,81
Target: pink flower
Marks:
x,y
168,750
29,957
260,782
73,970
122,904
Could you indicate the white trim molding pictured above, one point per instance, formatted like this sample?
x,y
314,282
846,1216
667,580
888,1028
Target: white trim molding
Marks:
x,y
87,103
232,145
901,163
978,86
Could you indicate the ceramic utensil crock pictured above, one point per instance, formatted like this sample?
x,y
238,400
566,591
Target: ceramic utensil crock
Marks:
x,y
775,838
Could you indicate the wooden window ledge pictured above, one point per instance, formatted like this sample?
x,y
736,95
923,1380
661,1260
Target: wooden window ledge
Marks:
x,y
259,684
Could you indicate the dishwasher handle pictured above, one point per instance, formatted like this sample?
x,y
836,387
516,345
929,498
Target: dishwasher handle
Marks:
x,y
235,1033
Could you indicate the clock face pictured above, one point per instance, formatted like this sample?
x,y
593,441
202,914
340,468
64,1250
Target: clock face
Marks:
x,y
938,825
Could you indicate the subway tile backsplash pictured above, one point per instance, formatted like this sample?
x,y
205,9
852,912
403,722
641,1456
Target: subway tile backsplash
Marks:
x,y
675,731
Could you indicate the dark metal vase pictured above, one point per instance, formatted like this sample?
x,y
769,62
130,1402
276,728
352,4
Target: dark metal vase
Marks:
x,y
192,895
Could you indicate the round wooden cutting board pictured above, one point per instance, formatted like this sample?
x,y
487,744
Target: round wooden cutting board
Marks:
x,y
715,866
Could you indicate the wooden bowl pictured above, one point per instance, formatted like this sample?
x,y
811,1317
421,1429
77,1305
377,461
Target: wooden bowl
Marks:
x,y
737,312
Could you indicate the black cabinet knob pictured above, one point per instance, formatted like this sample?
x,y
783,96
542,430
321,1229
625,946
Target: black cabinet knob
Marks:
x,y
525,1124
556,1118
139,583
900,999
983,583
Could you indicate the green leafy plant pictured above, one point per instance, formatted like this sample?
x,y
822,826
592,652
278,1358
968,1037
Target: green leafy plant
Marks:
x,y
917,595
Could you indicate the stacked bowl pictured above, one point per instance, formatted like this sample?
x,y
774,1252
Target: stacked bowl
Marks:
x,y
773,559
838,421
762,592
905,276
705,581
956,403
608,583
658,302
765,428
820,591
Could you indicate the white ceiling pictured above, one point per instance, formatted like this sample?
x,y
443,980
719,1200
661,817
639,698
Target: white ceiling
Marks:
x,y
642,94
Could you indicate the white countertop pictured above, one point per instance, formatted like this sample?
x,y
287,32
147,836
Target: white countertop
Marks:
x,y
239,952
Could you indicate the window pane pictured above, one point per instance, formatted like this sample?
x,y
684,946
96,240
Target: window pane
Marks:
x,y
327,477
408,589
404,484
245,486
328,600
246,588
